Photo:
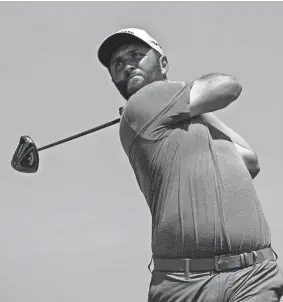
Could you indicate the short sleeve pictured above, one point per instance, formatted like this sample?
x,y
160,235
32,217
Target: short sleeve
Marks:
x,y
156,108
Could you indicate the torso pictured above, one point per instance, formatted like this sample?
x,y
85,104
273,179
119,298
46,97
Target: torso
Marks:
x,y
197,187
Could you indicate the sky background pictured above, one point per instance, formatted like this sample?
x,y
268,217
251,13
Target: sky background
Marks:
x,y
79,229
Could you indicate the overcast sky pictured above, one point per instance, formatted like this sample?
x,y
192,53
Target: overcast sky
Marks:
x,y
79,229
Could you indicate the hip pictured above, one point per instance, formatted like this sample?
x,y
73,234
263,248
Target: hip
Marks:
x,y
263,282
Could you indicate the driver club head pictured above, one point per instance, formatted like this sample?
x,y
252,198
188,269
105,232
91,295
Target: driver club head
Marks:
x,y
25,158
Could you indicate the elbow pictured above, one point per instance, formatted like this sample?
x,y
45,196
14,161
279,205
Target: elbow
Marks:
x,y
234,87
229,88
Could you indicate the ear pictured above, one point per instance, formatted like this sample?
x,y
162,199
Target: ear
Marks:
x,y
164,65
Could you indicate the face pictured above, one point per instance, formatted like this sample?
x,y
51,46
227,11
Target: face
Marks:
x,y
134,66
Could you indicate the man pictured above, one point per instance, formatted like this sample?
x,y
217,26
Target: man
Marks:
x,y
210,239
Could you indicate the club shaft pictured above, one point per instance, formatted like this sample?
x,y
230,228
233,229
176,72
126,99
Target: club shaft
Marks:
x,y
80,134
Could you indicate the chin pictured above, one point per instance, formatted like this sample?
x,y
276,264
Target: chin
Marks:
x,y
134,85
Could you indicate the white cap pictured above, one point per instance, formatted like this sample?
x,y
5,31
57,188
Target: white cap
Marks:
x,y
124,36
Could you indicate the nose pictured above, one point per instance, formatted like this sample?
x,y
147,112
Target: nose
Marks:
x,y
129,69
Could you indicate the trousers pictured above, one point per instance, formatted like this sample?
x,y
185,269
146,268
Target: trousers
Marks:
x,y
262,282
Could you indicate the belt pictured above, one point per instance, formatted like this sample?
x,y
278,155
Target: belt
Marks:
x,y
217,263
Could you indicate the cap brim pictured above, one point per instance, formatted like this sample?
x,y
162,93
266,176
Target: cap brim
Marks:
x,y
112,43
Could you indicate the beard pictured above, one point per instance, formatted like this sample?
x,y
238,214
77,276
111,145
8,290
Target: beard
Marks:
x,y
140,79
131,85
135,83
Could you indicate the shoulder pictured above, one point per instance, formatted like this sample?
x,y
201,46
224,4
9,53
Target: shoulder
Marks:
x,y
154,96
156,91
150,101
159,86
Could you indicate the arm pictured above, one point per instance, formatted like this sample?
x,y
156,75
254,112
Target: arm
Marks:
x,y
247,153
213,92
163,104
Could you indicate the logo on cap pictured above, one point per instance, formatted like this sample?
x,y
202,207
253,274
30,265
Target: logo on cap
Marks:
x,y
128,31
155,43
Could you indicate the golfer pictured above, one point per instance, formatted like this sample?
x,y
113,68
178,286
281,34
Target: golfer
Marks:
x,y
210,239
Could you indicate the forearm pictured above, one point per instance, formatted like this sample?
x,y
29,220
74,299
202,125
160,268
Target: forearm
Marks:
x,y
213,92
214,121
247,153
250,159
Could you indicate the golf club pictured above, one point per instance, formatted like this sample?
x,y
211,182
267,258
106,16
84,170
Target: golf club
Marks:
x,y
26,159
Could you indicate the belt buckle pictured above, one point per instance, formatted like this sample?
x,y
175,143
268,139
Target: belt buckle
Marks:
x,y
220,263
